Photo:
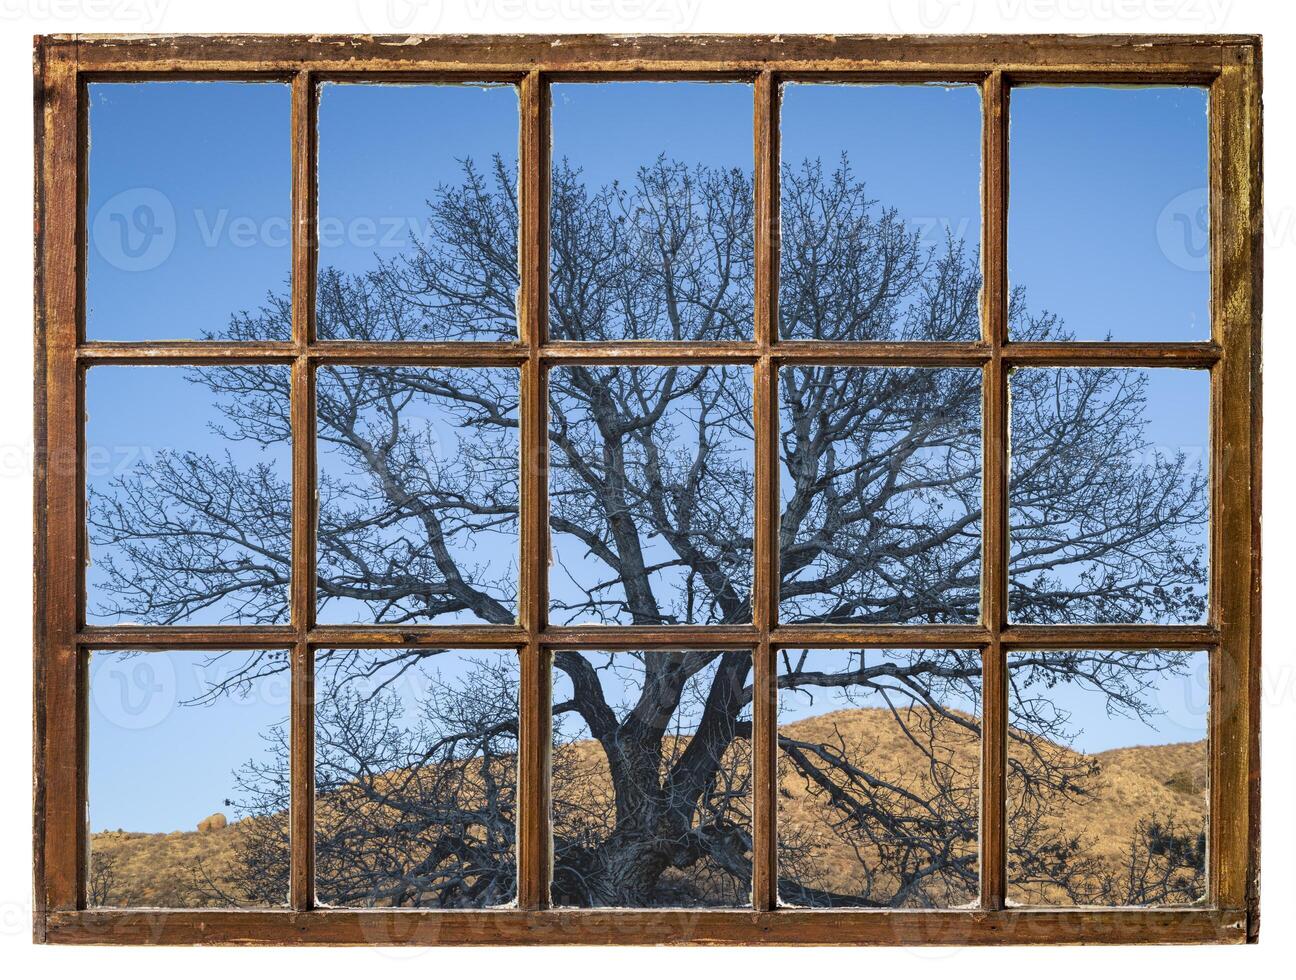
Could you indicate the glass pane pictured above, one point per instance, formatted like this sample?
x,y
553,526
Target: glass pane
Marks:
x,y
651,211
650,489
418,212
879,237
881,494
1108,496
879,776
418,494
415,778
1108,234
1107,777
189,495
190,192
188,779
652,779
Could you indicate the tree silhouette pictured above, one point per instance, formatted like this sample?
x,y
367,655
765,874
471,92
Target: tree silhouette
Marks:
x,y
651,491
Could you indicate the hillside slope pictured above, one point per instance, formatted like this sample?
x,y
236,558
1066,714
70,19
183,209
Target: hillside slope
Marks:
x,y
1166,781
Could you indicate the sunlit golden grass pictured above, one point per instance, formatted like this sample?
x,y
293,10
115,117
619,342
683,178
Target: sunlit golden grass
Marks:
x,y
165,870
186,869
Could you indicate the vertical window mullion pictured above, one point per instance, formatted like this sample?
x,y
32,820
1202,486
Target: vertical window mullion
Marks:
x,y
302,721
1235,219
765,551
534,739
994,576
61,720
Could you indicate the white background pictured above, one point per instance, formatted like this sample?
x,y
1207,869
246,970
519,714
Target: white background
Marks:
x,y
20,19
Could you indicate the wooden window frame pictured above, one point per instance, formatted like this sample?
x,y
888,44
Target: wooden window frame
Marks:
x,y
1228,66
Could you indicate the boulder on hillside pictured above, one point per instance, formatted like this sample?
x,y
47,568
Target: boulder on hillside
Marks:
x,y
216,821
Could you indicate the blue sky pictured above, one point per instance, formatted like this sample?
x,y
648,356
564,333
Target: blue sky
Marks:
x,y
916,147
435,426
610,130
1095,232
195,177
1176,417
383,151
1178,704
1097,213
189,201
159,764
132,414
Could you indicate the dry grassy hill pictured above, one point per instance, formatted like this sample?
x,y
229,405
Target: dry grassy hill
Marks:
x,y
1162,781
1166,781
161,870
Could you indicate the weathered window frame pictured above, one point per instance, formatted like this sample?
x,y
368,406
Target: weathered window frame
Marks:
x,y
1229,66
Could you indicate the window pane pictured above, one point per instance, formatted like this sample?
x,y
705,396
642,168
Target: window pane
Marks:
x,y
881,492
1108,233
879,237
188,779
189,494
415,778
418,212
879,775
418,494
650,488
1108,496
651,211
190,191
1107,777
652,779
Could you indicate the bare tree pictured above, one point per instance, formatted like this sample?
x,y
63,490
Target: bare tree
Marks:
x,y
103,885
651,511
1164,865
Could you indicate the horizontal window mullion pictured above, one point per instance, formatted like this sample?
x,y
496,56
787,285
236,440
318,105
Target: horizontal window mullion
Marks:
x,y
918,635
184,637
1181,355
185,352
1112,354
1111,637
650,637
650,926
